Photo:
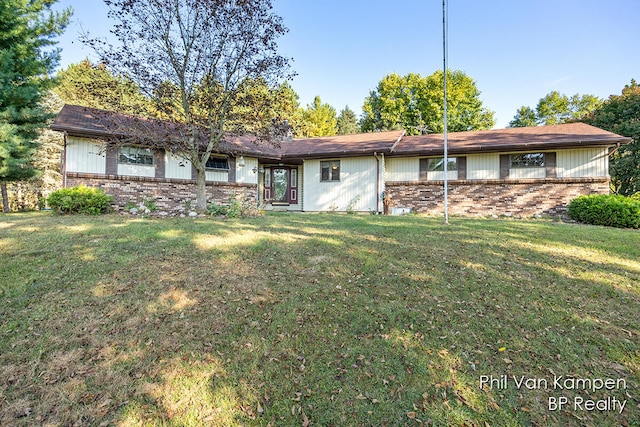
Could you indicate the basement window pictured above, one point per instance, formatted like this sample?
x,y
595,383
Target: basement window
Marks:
x,y
135,156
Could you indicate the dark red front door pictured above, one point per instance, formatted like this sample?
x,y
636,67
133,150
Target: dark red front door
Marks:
x,y
281,185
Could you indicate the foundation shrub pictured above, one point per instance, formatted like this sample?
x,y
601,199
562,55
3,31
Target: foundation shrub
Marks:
x,y
80,200
606,209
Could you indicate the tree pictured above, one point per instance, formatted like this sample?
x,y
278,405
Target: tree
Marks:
x,y
32,193
621,114
525,116
26,32
347,123
415,103
555,108
196,61
317,119
94,86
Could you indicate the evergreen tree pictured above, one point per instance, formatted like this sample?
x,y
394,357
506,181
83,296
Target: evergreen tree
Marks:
x,y
95,86
347,122
26,32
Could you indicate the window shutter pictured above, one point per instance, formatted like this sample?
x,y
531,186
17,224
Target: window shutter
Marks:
x,y
159,162
462,167
232,169
550,164
112,161
505,163
424,167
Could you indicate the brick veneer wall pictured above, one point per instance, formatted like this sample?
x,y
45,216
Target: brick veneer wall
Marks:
x,y
529,197
169,194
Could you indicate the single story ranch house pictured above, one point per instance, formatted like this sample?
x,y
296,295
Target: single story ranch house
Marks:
x,y
515,171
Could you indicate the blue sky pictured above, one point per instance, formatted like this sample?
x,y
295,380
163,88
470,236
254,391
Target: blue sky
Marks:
x,y
517,51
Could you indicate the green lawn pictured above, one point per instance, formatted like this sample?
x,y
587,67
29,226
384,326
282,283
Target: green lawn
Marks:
x,y
324,320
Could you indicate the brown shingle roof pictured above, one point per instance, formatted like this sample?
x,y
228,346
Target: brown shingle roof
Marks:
x,y
342,145
86,122
80,121
511,139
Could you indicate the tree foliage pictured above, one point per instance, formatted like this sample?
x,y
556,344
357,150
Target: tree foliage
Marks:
x,y
347,122
555,108
27,57
201,63
525,117
621,114
94,86
415,103
318,119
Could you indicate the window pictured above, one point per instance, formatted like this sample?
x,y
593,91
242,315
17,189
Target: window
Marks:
x,y
437,164
330,170
217,163
432,169
135,156
528,160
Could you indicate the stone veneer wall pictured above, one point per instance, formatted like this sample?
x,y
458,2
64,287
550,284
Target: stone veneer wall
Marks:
x,y
169,194
528,197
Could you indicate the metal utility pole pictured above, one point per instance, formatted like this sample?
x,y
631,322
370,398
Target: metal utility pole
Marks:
x,y
446,158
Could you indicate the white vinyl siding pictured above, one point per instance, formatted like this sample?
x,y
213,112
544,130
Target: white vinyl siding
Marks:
x,y
176,167
439,175
483,166
402,169
582,163
136,170
356,188
85,156
217,176
245,174
527,173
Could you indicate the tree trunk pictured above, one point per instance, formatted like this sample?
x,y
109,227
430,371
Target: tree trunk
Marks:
x,y
5,197
201,190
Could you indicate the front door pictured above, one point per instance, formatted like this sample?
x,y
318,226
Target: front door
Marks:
x,y
281,185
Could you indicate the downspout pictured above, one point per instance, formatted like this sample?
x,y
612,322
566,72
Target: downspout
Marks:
x,y
377,182
64,161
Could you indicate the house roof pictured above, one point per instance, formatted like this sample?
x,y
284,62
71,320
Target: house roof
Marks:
x,y
80,121
342,145
511,139
87,122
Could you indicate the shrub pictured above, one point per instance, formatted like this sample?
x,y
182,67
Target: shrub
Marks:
x,y
636,196
80,200
601,209
217,210
238,207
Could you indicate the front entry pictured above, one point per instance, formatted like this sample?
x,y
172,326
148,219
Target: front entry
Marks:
x,y
281,185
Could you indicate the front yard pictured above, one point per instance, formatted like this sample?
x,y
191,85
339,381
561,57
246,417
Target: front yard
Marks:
x,y
325,320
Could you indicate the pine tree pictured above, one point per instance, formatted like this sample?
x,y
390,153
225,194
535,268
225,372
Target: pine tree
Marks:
x,y
347,122
26,32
